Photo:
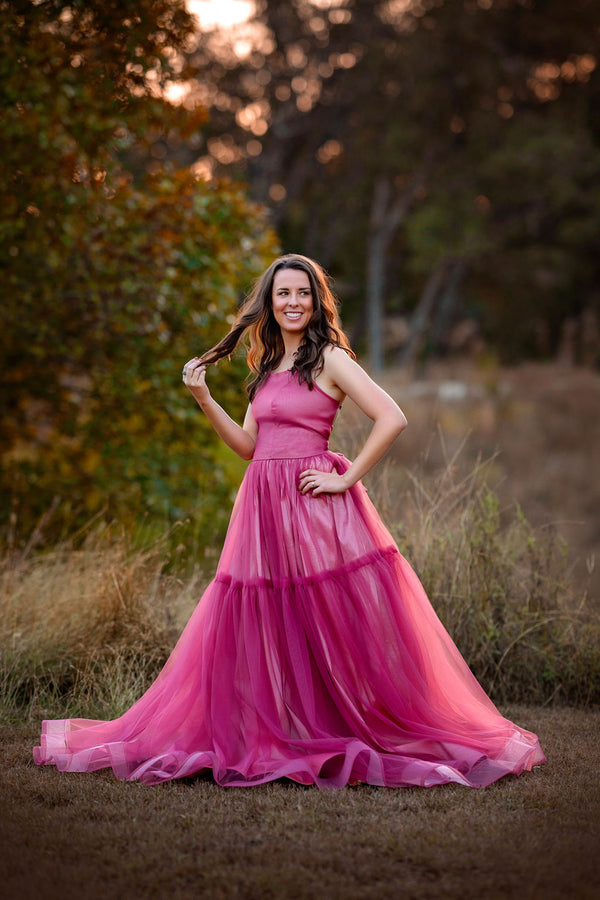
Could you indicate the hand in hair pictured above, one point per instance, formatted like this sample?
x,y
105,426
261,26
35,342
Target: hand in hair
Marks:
x,y
195,380
241,439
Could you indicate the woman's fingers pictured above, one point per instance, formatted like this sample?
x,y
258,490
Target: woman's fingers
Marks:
x,y
197,375
316,482
193,372
310,480
187,369
305,482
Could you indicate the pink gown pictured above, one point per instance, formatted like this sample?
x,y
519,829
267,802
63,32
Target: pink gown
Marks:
x,y
314,654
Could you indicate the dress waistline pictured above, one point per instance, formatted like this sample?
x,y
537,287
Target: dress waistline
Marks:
x,y
273,449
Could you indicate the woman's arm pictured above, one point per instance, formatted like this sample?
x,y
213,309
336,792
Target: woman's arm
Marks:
x,y
241,439
389,421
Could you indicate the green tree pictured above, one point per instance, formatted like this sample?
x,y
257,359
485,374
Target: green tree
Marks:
x,y
386,137
109,286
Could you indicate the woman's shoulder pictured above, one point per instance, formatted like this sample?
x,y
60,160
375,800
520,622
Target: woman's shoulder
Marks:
x,y
336,371
335,359
334,352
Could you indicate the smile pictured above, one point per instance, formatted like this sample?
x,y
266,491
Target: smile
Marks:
x,y
293,315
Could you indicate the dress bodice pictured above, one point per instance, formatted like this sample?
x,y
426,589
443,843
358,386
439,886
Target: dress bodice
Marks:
x,y
292,420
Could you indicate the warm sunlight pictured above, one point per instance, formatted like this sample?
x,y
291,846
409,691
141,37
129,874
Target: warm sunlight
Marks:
x,y
220,13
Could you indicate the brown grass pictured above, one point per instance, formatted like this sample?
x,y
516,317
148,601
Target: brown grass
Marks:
x,y
536,836
503,588
540,423
84,629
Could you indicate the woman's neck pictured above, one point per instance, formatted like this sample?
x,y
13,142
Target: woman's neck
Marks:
x,y
291,345
289,356
286,362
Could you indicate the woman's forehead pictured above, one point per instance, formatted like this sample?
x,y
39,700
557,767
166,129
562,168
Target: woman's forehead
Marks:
x,y
290,278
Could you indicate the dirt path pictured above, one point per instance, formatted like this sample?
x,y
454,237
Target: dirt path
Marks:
x,y
72,836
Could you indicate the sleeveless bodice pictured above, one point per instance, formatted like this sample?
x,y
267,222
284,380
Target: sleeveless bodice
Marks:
x,y
292,420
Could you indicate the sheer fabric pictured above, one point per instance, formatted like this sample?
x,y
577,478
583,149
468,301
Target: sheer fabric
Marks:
x,y
313,655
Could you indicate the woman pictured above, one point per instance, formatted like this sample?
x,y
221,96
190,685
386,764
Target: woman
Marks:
x,y
314,654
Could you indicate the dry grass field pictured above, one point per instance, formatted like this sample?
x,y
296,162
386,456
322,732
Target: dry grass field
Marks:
x,y
535,837
539,421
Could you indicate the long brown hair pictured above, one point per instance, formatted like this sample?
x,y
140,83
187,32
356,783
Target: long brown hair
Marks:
x,y
256,322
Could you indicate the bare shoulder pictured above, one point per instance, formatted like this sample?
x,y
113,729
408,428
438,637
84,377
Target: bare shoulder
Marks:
x,y
333,354
347,376
338,366
328,379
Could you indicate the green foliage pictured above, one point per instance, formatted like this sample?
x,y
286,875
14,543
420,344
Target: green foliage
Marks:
x,y
94,362
481,118
79,80
108,287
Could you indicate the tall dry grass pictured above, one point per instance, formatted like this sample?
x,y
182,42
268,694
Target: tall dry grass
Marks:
x,y
503,588
86,626
83,630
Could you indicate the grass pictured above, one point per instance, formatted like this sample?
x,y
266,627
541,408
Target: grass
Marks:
x,y
83,630
536,836
502,588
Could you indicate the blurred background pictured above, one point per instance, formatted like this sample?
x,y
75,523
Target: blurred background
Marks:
x,y
440,158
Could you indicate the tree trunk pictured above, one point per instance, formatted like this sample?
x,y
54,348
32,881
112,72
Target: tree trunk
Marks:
x,y
387,213
448,302
422,313
376,247
375,283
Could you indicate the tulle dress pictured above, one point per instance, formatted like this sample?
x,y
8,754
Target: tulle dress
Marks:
x,y
313,655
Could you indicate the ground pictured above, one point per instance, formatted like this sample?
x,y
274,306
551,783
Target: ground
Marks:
x,y
537,836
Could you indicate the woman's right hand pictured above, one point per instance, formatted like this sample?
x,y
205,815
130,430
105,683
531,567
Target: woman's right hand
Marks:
x,y
194,378
241,440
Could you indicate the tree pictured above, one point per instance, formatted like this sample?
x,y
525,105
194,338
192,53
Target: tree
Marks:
x,y
366,125
108,286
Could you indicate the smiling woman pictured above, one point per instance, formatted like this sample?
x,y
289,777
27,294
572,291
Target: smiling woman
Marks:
x,y
314,654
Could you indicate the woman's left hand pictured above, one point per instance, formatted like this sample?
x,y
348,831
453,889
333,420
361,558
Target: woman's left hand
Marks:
x,y
316,482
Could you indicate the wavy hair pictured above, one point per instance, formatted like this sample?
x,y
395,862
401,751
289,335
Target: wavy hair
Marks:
x,y
256,323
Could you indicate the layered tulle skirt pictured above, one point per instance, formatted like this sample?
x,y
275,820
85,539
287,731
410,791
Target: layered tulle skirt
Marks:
x,y
314,655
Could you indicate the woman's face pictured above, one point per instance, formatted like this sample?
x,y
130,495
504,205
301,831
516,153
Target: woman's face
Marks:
x,y
292,301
